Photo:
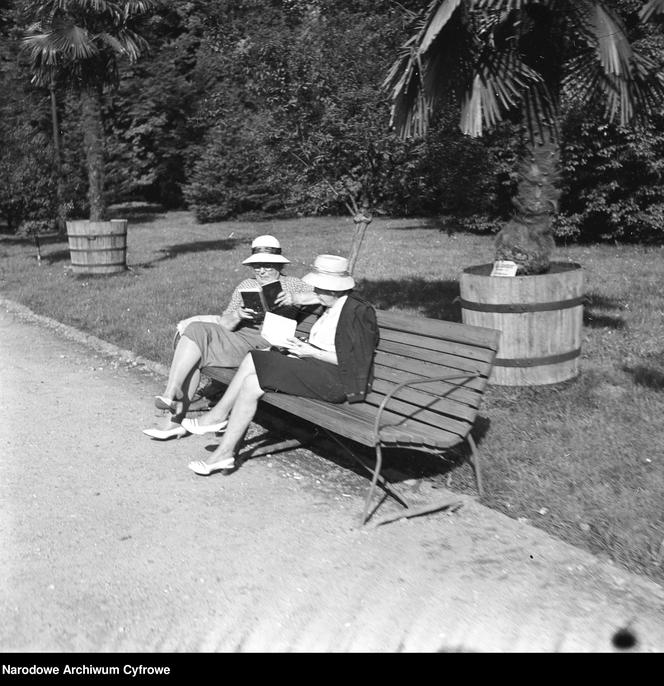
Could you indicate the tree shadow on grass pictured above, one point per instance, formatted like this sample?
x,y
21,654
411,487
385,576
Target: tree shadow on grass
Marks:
x,y
57,256
410,227
435,299
168,253
171,252
650,374
598,320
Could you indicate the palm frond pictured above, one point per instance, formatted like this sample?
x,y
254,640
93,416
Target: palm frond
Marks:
x,y
436,22
113,42
134,7
613,47
650,9
502,82
626,97
72,42
420,76
506,5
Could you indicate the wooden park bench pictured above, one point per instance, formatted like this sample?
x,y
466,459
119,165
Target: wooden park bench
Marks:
x,y
429,379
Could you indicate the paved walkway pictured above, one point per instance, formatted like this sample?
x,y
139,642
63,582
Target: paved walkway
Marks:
x,y
109,543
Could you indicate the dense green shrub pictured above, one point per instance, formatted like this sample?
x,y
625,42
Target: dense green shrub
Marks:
x,y
612,181
232,175
27,187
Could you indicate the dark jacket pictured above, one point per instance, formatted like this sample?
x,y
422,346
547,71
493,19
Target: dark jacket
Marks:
x,y
355,341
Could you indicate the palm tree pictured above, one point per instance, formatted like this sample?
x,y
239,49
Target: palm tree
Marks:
x,y
517,59
79,43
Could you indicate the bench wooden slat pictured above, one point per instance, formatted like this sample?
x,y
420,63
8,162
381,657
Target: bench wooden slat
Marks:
x,y
439,328
387,363
398,407
434,357
420,396
472,397
410,418
348,420
482,355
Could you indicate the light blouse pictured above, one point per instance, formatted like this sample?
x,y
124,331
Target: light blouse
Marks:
x,y
324,330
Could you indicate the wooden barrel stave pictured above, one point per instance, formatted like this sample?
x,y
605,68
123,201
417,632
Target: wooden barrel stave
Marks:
x,y
540,345
98,247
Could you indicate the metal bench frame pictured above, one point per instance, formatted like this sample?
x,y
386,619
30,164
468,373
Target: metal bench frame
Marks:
x,y
373,436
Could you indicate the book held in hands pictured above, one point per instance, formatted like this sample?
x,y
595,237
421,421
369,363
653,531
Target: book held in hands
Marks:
x,y
263,300
276,330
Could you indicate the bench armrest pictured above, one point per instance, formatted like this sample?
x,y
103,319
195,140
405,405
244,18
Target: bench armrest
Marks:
x,y
466,376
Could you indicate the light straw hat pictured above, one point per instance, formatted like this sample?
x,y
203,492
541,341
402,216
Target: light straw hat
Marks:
x,y
266,249
330,274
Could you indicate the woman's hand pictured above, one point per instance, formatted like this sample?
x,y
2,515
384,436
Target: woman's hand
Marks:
x,y
246,313
300,348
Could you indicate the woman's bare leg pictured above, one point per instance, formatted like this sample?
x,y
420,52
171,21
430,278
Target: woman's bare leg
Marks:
x,y
182,374
182,407
223,408
243,411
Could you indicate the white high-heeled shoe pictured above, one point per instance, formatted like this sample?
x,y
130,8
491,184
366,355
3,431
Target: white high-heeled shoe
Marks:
x,y
205,469
193,427
164,434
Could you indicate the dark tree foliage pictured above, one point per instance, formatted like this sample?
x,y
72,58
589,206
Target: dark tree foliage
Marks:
x,y
246,108
27,191
304,83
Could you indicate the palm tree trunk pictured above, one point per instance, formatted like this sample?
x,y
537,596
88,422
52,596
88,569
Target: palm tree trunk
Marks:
x,y
93,139
57,149
528,239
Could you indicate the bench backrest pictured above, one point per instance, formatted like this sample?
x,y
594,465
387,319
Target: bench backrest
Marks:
x,y
414,347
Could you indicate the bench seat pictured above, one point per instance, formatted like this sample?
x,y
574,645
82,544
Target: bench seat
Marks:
x,y
429,379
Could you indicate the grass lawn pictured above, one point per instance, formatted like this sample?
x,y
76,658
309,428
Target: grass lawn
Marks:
x,y
583,459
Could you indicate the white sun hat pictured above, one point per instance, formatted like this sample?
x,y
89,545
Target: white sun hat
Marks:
x,y
330,274
266,249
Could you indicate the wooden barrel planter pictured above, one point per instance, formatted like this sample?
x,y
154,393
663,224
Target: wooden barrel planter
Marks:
x,y
540,318
98,247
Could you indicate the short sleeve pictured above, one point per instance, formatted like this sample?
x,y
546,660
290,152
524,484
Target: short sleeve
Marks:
x,y
235,303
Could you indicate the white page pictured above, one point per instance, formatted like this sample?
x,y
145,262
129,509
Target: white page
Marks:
x,y
277,329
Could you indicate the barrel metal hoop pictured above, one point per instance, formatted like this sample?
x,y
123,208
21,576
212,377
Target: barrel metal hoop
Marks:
x,y
95,235
524,307
91,250
537,361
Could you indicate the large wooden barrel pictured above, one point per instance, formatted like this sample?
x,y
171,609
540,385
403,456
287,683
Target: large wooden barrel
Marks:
x,y
540,318
98,247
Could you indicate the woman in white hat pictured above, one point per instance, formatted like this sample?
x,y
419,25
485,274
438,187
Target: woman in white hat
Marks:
x,y
224,340
335,364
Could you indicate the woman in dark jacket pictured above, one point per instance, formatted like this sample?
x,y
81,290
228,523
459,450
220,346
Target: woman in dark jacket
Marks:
x,y
334,364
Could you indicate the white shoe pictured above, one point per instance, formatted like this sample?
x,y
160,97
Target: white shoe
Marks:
x,y
164,434
193,427
205,469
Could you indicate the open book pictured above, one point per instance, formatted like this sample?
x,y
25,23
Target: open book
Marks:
x,y
276,329
262,300
253,299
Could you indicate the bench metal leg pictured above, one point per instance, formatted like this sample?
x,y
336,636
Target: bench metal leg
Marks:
x,y
376,476
475,462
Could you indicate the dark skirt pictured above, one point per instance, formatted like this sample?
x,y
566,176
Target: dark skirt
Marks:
x,y
305,376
